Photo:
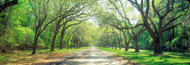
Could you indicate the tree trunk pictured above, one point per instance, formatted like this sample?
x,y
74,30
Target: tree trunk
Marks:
x,y
173,33
126,44
61,41
120,42
3,50
115,44
35,44
136,45
112,45
157,48
77,45
74,44
68,44
71,45
53,43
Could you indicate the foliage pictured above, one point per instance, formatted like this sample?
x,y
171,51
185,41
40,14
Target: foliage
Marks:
x,y
20,38
146,57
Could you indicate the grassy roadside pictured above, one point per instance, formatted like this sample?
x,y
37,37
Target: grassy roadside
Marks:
x,y
146,57
42,56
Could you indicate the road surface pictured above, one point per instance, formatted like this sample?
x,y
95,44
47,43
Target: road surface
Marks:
x,y
93,56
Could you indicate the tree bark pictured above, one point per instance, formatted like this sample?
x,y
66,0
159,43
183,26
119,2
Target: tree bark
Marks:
x,y
120,42
61,41
126,47
77,45
126,44
74,43
3,50
71,45
112,45
53,42
136,45
8,4
157,48
35,44
115,44
67,43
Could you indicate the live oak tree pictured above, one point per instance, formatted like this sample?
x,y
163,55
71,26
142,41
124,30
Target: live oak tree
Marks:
x,y
75,11
135,33
110,19
41,13
70,13
161,12
78,36
119,39
69,35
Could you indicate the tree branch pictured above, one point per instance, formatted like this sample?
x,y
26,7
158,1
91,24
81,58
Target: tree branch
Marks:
x,y
73,24
154,26
147,9
8,4
141,31
171,27
154,8
129,27
168,9
49,23
172,21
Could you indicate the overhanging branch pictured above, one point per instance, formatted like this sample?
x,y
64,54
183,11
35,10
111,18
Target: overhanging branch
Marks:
x,y
8,4
171,21
129,27
171,27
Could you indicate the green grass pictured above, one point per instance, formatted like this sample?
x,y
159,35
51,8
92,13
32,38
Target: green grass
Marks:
x,y
146,57
25,56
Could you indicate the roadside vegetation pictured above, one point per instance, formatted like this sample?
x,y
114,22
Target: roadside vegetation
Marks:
x,y
44,56
146,57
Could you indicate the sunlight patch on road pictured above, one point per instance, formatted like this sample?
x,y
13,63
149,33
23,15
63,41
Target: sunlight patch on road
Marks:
x,y
88,60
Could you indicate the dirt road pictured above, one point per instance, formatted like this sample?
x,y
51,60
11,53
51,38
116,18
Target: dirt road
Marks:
x,y
93,56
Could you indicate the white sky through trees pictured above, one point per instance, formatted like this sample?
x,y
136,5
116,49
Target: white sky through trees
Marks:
x,y
133,14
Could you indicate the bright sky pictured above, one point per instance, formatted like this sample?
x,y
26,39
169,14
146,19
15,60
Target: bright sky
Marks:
x,y
132,15
135,13
93,21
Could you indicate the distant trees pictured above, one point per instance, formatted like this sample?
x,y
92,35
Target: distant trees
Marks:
x,y
74,12
134,34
